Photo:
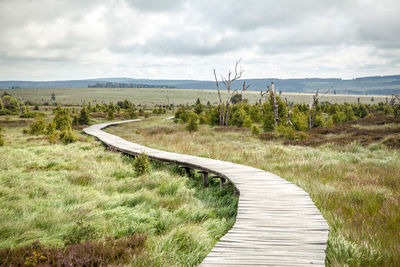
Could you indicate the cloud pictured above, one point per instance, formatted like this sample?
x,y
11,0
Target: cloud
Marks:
x,y
48,39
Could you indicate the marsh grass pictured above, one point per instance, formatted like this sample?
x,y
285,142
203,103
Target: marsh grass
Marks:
x,y
357,188
80,193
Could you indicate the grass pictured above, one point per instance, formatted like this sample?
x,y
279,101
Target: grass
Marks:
x,y
152,96
357,188
81,193
374,127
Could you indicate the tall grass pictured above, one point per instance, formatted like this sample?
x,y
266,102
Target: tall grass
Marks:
x,y
69,194
356,188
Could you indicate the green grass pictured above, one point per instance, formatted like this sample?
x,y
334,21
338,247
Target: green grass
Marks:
x,y
357,188
152,96
67,194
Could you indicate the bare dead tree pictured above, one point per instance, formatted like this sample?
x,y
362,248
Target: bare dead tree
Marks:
x,y
288,120
313,104
398,98
223,106
272,91
262,94
244,89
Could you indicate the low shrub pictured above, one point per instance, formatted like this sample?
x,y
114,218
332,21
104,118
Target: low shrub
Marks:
x,y
32,114
110,114
193,125
67,136
141,164
290,134
131,114
255,129
110,251
38,126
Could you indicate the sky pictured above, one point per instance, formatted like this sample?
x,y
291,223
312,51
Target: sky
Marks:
x,y
187,39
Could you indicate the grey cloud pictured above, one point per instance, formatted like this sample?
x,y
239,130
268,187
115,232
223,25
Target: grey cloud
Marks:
x,y
155,6
290,35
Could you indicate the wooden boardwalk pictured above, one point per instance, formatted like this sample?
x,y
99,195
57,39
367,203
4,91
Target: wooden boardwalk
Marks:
x,y
277,223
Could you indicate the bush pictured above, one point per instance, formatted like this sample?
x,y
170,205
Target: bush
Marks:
x,y
131,114
10,104
67,136
199,108
290,134
396,110
182,114
339,117
255,129
32,115
62,119
203,119
268,122
299,120
247,122
38,126
84,116
238,116
362,111
141,164
110,114
329,122
193,125
388,110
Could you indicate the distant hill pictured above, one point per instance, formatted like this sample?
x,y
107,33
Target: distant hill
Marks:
x,y
385,85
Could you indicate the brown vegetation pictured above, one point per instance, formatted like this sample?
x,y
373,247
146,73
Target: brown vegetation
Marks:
x,y
89,253
368,130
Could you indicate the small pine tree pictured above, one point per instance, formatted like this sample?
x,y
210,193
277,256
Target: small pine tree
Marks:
x,y
38,126
247,122
110,114
255,129
84,116
67,136
51,128
396,110
141,164
193,125
62,119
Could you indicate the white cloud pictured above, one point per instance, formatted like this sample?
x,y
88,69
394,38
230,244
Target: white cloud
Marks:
x,y
186,39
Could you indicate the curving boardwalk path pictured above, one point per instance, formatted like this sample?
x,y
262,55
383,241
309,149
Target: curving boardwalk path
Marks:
x,y
277,223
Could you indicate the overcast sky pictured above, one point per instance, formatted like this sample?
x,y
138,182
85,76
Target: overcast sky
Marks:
x,y
186,39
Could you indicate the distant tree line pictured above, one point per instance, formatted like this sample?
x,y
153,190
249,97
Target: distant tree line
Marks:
x,y
127,85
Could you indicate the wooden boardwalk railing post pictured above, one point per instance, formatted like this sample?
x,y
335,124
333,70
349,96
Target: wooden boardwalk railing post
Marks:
x,y
205,178
277,224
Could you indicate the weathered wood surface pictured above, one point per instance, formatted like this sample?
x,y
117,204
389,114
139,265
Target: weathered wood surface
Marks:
x,y
277,223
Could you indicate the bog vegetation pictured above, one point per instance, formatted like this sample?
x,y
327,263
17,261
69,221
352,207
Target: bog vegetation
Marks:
x,y
347,159
85,202
70,202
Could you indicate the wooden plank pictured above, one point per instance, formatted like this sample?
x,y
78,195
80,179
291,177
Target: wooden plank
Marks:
x,y
277,223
